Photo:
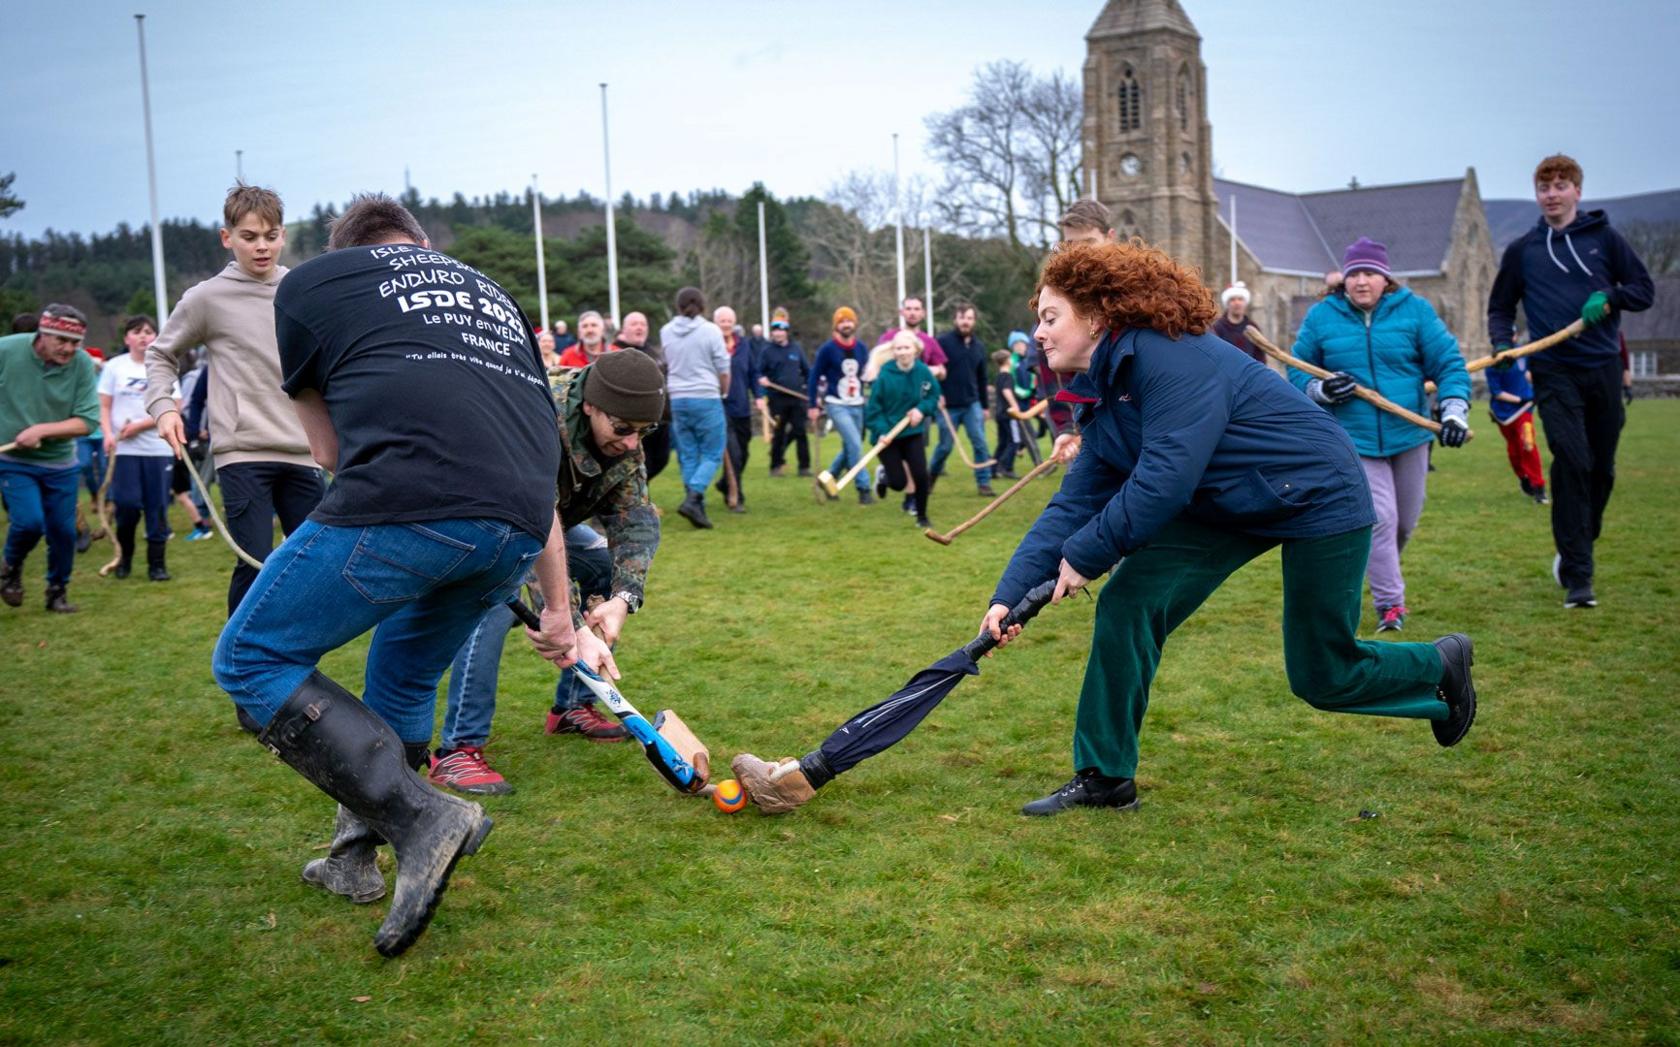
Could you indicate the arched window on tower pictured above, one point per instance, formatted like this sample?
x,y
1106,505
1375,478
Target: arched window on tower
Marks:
x,y
1131,100
1183,98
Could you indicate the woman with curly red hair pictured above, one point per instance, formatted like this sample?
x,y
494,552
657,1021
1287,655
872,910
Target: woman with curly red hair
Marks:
x,y
1196,460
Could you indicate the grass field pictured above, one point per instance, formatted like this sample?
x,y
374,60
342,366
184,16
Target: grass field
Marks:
x,y
1521,887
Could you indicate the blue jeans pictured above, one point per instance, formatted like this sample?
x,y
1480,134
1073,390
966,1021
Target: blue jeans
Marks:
x,y
697,429
90,452
423,585
472,676
973,421
41,501
848,422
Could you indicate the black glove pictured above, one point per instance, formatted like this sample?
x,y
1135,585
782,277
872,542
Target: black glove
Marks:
x,y
1455,422
1339,387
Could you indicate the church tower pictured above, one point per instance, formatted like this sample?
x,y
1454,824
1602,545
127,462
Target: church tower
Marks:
x,y
1148,146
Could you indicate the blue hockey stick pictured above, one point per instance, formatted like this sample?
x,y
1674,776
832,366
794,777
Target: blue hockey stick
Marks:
x,y
664,757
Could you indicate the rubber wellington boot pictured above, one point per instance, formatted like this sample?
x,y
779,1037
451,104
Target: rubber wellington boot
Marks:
x,y
351,867
347,751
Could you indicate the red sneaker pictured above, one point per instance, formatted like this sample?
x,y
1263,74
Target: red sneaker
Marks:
x,y
586,721
466,771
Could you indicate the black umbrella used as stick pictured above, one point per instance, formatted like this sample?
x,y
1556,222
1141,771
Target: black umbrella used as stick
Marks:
x,y
883,724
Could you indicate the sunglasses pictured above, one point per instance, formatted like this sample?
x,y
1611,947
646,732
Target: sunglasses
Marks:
x,y
623,429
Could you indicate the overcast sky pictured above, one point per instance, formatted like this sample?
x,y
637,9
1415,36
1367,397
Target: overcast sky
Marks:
x,y
327,99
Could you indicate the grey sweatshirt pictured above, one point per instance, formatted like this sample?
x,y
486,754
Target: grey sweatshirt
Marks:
x,y
696,356
232,316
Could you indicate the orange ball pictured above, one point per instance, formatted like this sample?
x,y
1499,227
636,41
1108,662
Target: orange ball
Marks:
x,y
729,797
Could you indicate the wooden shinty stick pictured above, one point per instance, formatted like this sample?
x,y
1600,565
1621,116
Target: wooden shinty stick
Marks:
x,y
988,463
1547,342
832,486
784,390
1375,399
1015,488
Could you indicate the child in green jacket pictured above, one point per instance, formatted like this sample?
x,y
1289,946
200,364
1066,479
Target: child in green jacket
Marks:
x,y
904,388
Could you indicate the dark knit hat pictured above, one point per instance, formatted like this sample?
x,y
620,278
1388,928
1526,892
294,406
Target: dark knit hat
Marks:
x,y
1365,253
627,385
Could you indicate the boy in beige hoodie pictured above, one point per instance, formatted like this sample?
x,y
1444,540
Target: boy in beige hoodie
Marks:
x,y
261,454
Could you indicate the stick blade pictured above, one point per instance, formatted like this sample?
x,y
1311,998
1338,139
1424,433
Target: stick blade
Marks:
x,y
942,539
672,728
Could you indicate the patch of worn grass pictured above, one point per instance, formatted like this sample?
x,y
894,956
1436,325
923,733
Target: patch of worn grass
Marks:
x,y
1519,887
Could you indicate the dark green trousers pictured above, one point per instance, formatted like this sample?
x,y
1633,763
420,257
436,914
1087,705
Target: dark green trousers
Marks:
x,y
1157,588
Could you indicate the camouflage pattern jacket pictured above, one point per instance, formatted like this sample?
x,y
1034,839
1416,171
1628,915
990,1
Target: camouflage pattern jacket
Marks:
x,y
614,492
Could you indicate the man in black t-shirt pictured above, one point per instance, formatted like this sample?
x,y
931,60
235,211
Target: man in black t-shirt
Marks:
x,y
418,386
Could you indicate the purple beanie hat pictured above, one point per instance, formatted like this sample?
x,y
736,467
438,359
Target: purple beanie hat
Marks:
x,y
1365,253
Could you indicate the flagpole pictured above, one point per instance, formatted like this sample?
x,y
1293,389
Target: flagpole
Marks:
x,y
542,271
927,258
158,284
612,232
898,220
763,274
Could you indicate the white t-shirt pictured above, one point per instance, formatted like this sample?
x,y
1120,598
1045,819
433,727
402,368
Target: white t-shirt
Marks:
x,y
124,381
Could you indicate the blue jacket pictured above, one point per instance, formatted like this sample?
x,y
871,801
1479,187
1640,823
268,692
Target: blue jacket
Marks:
x,y
1513,380
1552,274
829,368
1402,344
743,380
783,364
1188,427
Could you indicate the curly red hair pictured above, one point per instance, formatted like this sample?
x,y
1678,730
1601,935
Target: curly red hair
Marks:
x,y
1129,285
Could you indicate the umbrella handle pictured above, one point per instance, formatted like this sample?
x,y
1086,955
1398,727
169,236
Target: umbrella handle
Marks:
x,y
1020,614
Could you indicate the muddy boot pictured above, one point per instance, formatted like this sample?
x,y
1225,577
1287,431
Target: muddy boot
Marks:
x,y
156,568
347,751
11,584
58,603
350,867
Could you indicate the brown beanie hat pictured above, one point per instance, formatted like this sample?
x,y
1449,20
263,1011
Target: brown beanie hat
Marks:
x,y
627,385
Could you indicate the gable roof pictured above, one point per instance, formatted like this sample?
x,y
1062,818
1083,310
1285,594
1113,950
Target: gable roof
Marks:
x,y
1509,219
1307,232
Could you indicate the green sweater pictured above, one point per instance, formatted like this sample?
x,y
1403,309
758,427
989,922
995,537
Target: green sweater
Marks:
x,y
32,393
894,393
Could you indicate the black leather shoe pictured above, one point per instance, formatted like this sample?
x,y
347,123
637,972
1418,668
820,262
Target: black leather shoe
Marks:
x,y
11,584
1087,789
1455,689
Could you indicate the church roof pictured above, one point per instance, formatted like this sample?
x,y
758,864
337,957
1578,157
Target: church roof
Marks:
x,y
1509,219
1307,232
1122,17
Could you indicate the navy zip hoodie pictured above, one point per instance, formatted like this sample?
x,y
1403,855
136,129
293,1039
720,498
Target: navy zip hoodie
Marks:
x,y
1552,273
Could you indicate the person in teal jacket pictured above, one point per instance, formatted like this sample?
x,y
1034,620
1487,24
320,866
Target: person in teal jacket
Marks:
x,y
906,387
1374,333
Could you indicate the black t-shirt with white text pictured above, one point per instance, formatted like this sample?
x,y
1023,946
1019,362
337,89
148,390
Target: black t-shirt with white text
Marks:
x,y
438,396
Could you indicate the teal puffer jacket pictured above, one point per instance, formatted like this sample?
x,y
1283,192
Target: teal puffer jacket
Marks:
x,y
1394,349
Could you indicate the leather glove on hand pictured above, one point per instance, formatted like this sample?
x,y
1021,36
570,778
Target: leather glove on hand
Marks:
x,y
776,788
1337,389
1455,422
1596,308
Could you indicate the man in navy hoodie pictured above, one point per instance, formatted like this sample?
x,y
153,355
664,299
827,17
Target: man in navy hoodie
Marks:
x,y
1572,265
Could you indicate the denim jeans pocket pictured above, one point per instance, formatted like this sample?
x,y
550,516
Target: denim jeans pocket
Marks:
x,y
508,587
396,562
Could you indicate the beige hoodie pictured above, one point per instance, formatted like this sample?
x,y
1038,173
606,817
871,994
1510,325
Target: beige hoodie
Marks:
x,y
251,418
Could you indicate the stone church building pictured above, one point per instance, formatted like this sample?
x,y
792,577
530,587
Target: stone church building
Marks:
x,y
1148,151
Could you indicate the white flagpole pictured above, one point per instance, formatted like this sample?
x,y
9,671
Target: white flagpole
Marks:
x,y
898,220
927,259
158,285
1233,237
542,272
763,273
612,232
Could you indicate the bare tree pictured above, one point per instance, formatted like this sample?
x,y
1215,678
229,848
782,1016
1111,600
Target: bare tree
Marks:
x,y
1053,116
853,247
978,145
1656,243
1011,155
